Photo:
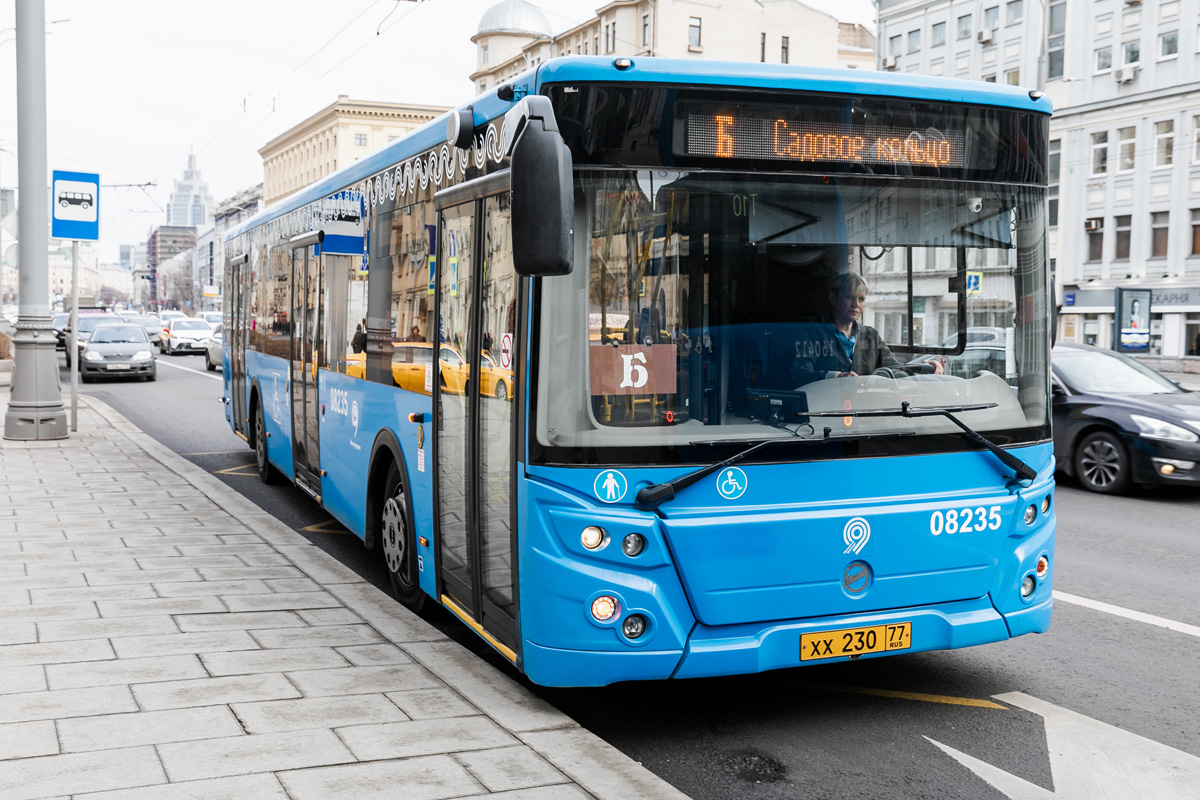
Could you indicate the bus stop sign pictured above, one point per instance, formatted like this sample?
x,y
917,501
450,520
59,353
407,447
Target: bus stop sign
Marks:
x,y
76,200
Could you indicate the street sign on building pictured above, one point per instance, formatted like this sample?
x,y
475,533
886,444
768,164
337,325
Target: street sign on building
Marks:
x,y
76,206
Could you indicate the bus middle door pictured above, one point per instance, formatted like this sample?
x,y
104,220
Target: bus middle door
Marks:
x,y
307,306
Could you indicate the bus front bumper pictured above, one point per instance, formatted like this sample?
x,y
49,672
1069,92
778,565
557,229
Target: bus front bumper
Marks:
x,y
743,649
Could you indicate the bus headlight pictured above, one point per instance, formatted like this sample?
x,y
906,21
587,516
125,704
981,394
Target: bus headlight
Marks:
x,y
634,626
633,544
1045,504
1027,586
592,537
1030,515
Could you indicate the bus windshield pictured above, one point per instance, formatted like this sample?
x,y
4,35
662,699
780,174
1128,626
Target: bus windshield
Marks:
x,y
706,306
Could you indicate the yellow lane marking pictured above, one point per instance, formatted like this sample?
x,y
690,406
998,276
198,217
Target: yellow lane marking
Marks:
x,y
924,698
501,648
238,471
328,526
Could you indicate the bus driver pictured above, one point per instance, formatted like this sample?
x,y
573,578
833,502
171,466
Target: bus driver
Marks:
x,y
840,346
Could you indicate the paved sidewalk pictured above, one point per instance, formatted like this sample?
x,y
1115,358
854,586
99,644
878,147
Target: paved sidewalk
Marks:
x,y
162,638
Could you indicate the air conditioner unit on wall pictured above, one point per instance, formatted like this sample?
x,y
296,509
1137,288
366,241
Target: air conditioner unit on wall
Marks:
x,y
985,36
1125,74
889,62
1091,224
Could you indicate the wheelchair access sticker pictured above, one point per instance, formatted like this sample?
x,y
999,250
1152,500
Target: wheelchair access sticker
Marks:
x,y
731,483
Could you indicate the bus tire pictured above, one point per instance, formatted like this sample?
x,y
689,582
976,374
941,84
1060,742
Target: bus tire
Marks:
x,y
266,471
398,543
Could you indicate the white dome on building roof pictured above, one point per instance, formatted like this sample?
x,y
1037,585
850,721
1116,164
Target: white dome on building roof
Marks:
x,y
515,16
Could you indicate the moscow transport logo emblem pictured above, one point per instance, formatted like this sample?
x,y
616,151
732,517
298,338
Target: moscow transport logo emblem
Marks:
x,y
856,534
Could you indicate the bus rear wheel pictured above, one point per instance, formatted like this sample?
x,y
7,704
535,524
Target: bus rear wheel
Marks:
x,y
266,471
398,543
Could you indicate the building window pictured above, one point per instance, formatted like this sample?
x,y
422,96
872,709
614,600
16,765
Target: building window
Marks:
x,y
1055,36
964,26
937,35
1133,52
1123,224
607,40
360,140
484,51
1164,143
1015,12
991,17
1196,231
1053,162
1100,153
1196,139
1104,59
1191,337
1095,238
1168,45
693,31
783,49
1012,77
762,55
596,41
894,45
989,78
614,36
914,41
1126,144
646,30
1158,233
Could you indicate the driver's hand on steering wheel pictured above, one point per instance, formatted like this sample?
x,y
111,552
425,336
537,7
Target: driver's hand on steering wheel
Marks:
x,y
850,374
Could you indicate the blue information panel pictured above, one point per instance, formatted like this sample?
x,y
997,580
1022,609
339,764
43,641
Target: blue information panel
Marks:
x,y
76,202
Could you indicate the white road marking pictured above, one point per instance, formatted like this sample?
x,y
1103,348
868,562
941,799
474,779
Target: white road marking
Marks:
x,y
1090,760
162,362
1137,616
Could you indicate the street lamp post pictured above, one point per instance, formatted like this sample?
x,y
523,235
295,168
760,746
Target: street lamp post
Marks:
x,y
35,407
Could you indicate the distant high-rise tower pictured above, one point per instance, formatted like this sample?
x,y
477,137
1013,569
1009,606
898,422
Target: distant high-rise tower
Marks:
x,y
191,204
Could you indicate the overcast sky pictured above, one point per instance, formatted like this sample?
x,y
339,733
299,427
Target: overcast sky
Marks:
x,y
132,85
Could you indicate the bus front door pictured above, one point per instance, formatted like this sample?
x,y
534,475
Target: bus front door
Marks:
x,y
475,448
307,305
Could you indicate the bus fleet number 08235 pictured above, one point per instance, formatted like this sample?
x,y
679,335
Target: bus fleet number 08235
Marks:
x,y
965,520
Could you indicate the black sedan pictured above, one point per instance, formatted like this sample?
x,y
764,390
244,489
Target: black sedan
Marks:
x,y
1117,422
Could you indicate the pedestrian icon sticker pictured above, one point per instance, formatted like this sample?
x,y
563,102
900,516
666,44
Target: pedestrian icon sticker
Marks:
x,y
610,486
731,483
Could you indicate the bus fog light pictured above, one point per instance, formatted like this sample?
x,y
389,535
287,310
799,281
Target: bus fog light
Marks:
x,y
604,608
634,626
1027,586
592,537
633,544
1043,566
1030,515
1045,505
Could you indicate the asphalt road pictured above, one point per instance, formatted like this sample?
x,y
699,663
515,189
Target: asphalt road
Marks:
x,y
869,728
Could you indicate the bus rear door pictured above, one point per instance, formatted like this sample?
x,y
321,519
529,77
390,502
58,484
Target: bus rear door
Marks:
x,y
236,334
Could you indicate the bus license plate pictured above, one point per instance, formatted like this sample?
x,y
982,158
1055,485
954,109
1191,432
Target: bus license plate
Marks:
x,y
856,641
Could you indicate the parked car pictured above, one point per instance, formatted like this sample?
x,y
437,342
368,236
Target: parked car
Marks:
x,y
184,335
169,315
59,321
87,323
978,335
1117,422
117,350
213,348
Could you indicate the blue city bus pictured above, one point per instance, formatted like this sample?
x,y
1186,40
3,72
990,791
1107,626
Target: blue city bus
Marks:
x,y
648,368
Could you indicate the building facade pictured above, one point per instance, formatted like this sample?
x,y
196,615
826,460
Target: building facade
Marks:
x,y
162,244
1124,165
337,135
208,258
191,204
515,35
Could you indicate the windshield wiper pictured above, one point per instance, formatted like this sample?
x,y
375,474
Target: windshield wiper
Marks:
x,y
1023,470
651,497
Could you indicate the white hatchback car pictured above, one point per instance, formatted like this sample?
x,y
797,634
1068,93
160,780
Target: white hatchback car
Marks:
x,y
213,346
184,335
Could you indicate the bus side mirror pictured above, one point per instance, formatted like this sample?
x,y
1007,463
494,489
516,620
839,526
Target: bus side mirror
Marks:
x,y
542,204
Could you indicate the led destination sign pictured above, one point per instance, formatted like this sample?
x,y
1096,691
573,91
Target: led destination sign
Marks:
x,y
759,136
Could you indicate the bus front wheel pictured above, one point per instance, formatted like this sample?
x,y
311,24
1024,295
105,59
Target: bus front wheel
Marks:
x,y
399,543
266,471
